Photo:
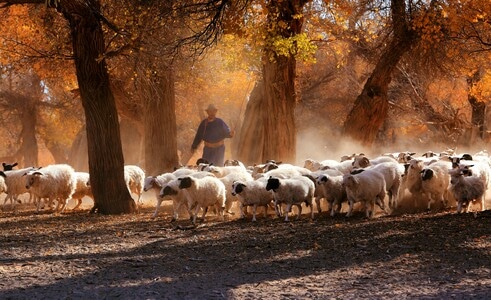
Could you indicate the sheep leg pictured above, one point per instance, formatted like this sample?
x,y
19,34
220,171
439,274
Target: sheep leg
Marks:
x,y
369,209
254,207
205,210
277,208
157,207
430,201
242,214
299,211
350,208
288,208
318,204
228,206
265,211
64,204
195,213
79,202
459,207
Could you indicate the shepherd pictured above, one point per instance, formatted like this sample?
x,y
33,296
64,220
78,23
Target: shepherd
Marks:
x,y
213,131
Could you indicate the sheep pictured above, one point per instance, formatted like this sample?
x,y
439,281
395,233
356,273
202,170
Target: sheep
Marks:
x,y
434,183
156,183
252,193
3,185
284,172
9,167
393,173
334,192
292,191
228,180
183,172
134,177
82,188
345,166
224,171
233,162
170,190
466,189
53,182
204,192
368,186
413,180
15,185
320,191
361,161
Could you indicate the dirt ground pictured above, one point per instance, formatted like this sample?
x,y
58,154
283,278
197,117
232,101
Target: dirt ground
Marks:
x,y
75,255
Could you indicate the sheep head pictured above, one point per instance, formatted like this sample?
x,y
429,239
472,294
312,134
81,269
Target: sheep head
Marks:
x,y
185,182
273,184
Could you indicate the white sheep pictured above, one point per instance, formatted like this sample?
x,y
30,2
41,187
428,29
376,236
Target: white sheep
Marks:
x,y
292,191
82,188
413,181
224,171
3,185
466,189
361,161
434,183
393,173
156,183
54,182
170,190
183,172
288,171
252,193
134,177
334,192
228,180
368,187
204,192
16,185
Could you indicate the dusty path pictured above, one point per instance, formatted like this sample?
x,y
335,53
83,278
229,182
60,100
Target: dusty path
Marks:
x,y
81,256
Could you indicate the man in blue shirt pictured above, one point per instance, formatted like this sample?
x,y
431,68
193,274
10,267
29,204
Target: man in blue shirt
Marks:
x,y
212,131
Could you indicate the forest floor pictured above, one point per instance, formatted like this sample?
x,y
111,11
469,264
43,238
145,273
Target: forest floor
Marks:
x,y
77,255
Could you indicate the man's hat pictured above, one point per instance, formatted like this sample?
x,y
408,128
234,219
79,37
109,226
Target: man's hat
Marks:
x,y
211,107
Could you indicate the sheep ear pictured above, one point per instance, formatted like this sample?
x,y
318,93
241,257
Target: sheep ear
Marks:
x,y
4,164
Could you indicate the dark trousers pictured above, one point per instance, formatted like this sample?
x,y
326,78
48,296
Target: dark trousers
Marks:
x,y
215,155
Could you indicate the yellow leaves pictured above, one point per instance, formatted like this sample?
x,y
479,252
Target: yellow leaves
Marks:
x,y
299,46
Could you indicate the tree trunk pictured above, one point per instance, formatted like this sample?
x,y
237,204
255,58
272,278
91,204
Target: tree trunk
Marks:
x,y
251,139
160,124
478,107
371,106
29,146
131,141
78,158
269,130
106,162
279,109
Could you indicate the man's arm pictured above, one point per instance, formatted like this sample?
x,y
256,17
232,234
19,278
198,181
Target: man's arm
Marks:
x,y
199,136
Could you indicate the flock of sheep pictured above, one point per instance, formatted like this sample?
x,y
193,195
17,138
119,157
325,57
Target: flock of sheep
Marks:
x,y
445,177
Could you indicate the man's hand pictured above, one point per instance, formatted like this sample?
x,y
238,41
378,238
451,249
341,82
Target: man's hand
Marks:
x,y
232,133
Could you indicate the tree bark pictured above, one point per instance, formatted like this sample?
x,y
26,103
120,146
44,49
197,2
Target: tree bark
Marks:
x,y
160,124
251,139
478,107
29,145
106,162
371,106
269,129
